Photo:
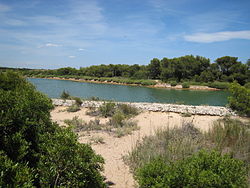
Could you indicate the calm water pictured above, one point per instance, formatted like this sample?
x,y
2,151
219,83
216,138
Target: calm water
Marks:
x,y
54,88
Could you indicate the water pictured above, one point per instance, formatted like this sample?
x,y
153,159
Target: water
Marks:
x,y
54,88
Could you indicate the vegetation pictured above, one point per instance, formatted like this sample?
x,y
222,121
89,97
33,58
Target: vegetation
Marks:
x,y
185,156
34,151
185,85
73,108
65,95
240,99
120,122
202,169
187,68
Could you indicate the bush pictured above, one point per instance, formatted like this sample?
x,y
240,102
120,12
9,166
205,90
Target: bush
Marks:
x,y
107,109
117,119
171,144
78,101
185,85
73,108
204,169
229,135
65,95
35,150
14,174
128,110
247,85
78,165
173,83
240,99
219,85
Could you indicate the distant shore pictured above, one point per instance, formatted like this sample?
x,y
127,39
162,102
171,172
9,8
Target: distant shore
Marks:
x,y
158,85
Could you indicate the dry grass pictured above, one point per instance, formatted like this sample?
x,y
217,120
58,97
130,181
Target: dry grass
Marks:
x,y
226,136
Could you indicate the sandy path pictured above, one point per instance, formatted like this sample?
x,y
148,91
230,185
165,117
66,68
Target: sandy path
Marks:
x,y
115,148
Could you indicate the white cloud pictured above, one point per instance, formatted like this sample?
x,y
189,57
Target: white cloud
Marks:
x,y
49,45
81,49
71,56
218,36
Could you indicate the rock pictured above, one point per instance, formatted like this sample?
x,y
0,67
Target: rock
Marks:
x,y
159,107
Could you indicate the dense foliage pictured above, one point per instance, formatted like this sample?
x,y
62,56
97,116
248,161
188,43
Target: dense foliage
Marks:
x,y
170,159
203,169
181,69
240,99
35,151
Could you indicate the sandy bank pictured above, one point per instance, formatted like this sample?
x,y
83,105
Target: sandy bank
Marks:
x,y
114,148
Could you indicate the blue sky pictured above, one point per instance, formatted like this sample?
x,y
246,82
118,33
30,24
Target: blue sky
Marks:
x,y
80,33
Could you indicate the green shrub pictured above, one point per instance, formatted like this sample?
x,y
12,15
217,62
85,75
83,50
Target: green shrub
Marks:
x,y
240,99
247,85
73,108
14,174
219,85
128,110
65,95
67,163
204,169
35,150
78,101
173,83
107,109
80,125
185,85
117,119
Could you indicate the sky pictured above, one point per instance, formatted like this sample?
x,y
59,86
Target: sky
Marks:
x,y
79,33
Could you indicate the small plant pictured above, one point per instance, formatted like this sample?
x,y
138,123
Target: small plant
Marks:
x,y
173,83
93,98
73,108
97,140
185,85
80,125
65,95
78,101
128,110
117,119
107,109
187,114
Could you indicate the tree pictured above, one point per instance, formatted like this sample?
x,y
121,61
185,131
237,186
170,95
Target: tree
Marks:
x,y
32,145
154,68
240,99
226,63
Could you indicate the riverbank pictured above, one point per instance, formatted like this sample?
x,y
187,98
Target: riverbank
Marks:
x,y
156,85
159,107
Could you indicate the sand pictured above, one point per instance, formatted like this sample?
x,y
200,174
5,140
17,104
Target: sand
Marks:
x,y
113,148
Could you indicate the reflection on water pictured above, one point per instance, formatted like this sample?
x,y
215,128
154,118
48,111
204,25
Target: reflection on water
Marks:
x,y
54,88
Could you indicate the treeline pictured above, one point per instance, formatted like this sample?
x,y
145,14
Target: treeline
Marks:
x,y
181,69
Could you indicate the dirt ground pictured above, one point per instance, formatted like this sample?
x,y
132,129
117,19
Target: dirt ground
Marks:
x,y
114,148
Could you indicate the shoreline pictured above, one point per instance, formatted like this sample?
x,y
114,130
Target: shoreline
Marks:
x,y
157,85
158,107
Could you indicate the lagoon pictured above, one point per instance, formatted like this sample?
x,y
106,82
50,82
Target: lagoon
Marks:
x,y
54,88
